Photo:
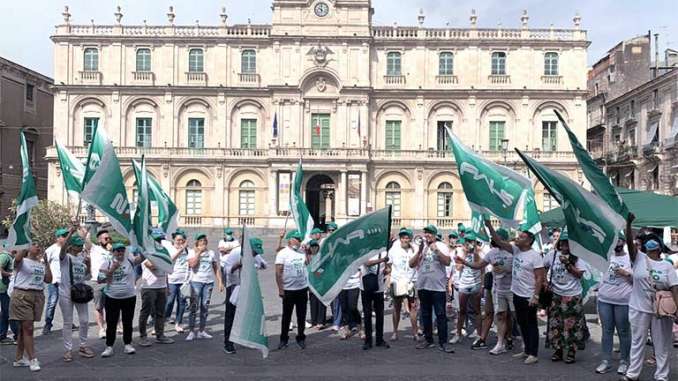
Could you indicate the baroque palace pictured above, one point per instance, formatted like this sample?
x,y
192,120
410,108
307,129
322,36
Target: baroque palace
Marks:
x,y
223,113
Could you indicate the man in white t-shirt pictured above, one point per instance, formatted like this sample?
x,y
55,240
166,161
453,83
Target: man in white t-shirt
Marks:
x,y
402,280
52,254
292,280
431,261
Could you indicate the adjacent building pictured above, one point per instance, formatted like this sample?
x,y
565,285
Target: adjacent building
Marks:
x,y
25,103
223,113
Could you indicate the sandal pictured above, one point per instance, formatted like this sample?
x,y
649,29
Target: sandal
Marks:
x,y
86,352
569,359
68,357
557,355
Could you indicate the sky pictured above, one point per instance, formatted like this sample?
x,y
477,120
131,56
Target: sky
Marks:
x,y
25,25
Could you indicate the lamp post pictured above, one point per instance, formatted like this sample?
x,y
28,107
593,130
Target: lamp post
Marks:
x,y
504,148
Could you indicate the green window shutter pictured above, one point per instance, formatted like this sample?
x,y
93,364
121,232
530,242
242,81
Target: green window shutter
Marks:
x,y
320,140
496,135
248,133
392,135
325,131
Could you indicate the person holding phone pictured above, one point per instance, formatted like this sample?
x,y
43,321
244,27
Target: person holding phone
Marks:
x,y
204,267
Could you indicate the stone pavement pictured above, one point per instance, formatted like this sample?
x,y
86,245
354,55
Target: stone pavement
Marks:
x,y
326,357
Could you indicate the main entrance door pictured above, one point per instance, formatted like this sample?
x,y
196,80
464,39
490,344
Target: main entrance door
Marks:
x,y
320,196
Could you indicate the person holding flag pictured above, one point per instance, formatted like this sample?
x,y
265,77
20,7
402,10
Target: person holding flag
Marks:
x,y
53,255
292,280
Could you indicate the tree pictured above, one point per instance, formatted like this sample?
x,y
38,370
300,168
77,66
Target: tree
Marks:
x,y
46,217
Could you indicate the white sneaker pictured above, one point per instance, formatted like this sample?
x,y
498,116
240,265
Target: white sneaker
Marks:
x,y
455,339
108,352
497,350
191,336
21,363
35,365
623,367
178,328
204,335
604,367
531,360
129,349
520,355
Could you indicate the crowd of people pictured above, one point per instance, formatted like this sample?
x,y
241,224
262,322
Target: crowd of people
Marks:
x,y
459,285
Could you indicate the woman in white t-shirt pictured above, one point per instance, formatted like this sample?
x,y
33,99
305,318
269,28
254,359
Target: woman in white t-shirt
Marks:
x,y
565,331
650,274
469,286
402,280
177,278
614,293
204,270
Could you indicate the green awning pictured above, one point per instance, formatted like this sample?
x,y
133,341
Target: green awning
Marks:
x,y
651,210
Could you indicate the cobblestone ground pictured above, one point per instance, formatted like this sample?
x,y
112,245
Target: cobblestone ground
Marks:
x,y
326,357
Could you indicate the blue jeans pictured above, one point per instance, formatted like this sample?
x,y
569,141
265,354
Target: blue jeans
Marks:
x,y
5,323
430,302
615,316
336,312
200,294
175,294
52,301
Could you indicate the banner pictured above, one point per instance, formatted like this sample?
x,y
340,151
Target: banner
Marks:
x,y
20,232
493,189
249,324
343,252
72,170
599,181
589,281
478,226
154,251
591,224
300,212
168,214
103,186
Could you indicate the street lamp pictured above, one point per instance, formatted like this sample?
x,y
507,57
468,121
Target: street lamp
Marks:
x,y
504,148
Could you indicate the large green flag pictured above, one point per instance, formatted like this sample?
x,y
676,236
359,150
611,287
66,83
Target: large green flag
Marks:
x,y
249,324
589,280
103,186
154,251
494,189
72,170
168,213
300,212
599,181
478,226
20,232
591,224
343,252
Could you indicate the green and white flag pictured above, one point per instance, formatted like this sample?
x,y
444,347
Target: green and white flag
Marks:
x,y
103,185
599,181
20,232
72,170
478,226
168,213
249,324
343,252
589,280
154,251
591,224
494,189
300,212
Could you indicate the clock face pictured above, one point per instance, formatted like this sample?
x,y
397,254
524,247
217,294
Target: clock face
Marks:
x,y
321,9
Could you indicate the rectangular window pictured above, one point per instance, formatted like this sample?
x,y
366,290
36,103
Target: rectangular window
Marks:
x,y
90,125
320,134
193,202
392,135
393,64
442,135
144,59
393,199
498,63
91,59
247,200
196,132
551,63
446,64
248,133
195,61
144,132
496,135
248,62
549,134
444,204
30,89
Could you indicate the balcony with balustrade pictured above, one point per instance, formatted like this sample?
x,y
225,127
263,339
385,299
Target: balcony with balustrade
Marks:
x,y
249,79
143,78
447,80
499,79
196,78
90,77
552,80
394,80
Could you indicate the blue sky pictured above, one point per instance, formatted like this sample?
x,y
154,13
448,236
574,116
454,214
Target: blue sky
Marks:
x,y
25,25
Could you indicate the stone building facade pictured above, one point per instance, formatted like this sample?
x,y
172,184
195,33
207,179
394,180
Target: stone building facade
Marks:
x,y
223,113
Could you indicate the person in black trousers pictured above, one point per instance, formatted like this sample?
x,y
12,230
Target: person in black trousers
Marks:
x,y
318,309
292,280
372,295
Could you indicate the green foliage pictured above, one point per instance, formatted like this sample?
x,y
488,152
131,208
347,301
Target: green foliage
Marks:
x,y
46,217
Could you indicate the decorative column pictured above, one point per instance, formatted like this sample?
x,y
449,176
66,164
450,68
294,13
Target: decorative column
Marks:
x,y
272,197
341,195
363,192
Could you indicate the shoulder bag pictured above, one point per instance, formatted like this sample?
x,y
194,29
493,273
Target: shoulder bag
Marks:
x,y
80,292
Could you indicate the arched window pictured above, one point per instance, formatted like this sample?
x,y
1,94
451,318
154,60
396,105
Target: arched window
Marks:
x,y
195,61
445,193
551,63
91,59
246,198
499,63
144,59
248,62
393,198
194,198
446,63
393,63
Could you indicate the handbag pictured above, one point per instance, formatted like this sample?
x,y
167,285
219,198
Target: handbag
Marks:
x,y
185,290
664,305
545,294
80,292
371,281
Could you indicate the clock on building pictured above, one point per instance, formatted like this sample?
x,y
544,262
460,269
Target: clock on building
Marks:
x,y
321,9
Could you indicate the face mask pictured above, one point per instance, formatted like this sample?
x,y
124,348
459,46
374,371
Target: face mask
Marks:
x,y
295,247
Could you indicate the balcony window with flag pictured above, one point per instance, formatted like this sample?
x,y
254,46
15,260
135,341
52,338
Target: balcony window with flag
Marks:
x,y
246,198
194,198
496,135
549,136
444,206
393,63
248,62
248,133
392,135
551,63
196,132
144,132
446,63
144,60
499,63
393,198
195,61
441,137
90,124
91,59
320,137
